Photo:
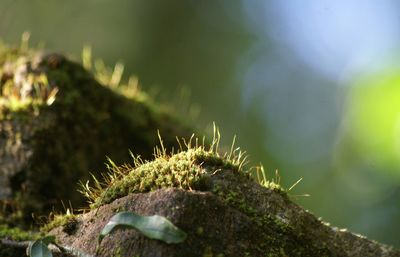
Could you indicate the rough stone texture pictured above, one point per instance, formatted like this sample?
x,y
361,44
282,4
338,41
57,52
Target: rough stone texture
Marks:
x,y
13,153
237,218
45,150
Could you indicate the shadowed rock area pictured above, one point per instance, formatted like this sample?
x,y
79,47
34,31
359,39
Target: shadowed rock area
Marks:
x,y
58,124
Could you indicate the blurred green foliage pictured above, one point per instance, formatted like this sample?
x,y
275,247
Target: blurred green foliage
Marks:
x,y
374,119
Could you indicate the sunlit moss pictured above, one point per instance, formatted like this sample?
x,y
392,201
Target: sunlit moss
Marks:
x,y
190,169
22,87
67,221
184,170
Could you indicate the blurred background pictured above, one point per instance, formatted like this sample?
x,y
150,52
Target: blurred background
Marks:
x,y
311,88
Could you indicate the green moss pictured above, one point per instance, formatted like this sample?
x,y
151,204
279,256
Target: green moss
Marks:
x,y
190,170
21,87
277,237
199,231
68,222
274,186
17,234
64,123
117,252
208,252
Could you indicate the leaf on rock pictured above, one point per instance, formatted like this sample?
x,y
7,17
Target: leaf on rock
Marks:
x,y
38,249
154,227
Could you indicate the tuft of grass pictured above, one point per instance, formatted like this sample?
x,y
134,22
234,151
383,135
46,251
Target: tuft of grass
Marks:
x,y
190,168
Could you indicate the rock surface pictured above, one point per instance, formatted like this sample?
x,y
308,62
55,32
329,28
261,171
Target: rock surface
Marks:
x,y
235,217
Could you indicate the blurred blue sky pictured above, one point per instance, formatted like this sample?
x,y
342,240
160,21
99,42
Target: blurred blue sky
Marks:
x,y
332,37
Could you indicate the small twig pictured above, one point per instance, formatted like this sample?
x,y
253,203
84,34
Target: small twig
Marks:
x,y
14,244
22,245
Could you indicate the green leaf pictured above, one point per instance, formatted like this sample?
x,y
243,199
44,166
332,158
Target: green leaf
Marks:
x,y
154,227
38,249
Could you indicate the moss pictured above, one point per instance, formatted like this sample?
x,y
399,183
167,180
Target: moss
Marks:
x,y
17,234
68,222
276,237
199,231
208,252
190,170
117,252
63,123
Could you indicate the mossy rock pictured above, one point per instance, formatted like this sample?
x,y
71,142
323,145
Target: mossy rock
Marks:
x,y
221,208
57,124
